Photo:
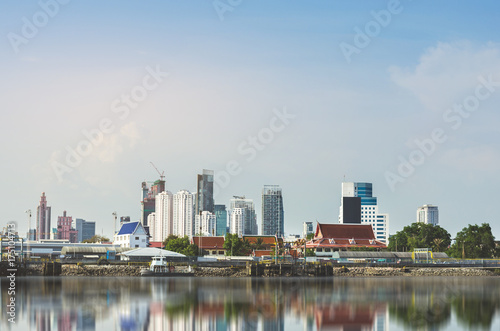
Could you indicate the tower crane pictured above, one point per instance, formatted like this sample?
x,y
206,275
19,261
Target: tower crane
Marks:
x,y
162,174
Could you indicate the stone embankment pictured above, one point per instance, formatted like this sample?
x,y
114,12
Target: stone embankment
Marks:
x,y
101,270
410,272
221,272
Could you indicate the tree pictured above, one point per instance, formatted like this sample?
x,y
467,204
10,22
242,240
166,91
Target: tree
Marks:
x,y
181,245
170,237
310,236
420,235
96,239
234,246
258,245
474,242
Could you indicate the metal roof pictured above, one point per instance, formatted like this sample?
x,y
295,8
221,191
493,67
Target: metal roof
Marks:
x,y
374,255
128,228
151,251
89,250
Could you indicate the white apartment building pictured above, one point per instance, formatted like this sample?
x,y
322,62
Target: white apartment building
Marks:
x,y
237,221
183,214
428,214
204,223
162,224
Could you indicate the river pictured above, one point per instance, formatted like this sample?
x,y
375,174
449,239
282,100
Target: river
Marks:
x,y
128,303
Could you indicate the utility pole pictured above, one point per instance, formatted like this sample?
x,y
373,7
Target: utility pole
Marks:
x,y
114,223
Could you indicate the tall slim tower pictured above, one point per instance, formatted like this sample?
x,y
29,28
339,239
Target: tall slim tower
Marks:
x,y
358,205
272,211
183,224
205,192
237,221
428,214
221,220
164,217
43,219
250,221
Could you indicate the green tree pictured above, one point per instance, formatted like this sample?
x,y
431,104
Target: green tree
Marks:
x,y
96,239
420,235
474,242
310,236
234,246
182,246
258,245
170,237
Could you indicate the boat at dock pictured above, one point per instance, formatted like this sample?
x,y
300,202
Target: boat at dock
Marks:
x,y
159,267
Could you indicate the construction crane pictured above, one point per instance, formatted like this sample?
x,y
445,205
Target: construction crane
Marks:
x,y
162,174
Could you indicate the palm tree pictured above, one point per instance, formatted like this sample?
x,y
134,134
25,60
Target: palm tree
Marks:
x,y
437,244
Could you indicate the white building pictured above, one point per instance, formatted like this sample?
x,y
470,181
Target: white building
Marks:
x,y
307,229
204,224
250,221
131,234
364,209
164,217
183,212
428,214
237,221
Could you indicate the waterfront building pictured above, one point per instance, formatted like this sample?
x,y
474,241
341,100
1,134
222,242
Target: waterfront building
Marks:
x,y
220,220
330,238
205,192
307,229
250,221
85,229
359,206
43,219
164,217
65,229
272,211
428,214
212,246
237,221
183,214
131,234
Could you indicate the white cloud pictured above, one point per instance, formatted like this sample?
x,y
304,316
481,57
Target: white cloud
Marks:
x,y
448,72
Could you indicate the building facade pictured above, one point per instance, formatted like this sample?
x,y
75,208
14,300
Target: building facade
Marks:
x,y
204,224
237,221
428,214
85,229
205,192
65,230
359,206
131,234
220,220
273,219
250,221
148,195
164,217
43,229
307,228
183,214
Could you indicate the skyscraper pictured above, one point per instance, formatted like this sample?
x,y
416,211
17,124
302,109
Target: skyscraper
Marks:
x,y
237,221
85,229
183,214
205,192
43,219
250,221
272,211
366,203
307,229
148,195
204,224
220,220
428,214
164,217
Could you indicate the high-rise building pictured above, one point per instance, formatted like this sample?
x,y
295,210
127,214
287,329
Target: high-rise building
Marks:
x,y
85,229
43,229
272,211
307,229
428,214
237,221
220,220
204,224
359,197
205,192
164,217
183,214
148,196
65,230
250,221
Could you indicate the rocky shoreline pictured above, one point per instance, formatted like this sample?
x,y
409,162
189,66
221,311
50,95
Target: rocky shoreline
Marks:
x,y
133,271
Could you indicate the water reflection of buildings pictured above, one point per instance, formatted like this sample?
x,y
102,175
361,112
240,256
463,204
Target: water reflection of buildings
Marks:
x,y
352,317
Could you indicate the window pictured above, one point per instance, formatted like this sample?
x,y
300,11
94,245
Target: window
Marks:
x,y
136,246
319,249
221,252
136,238
327,249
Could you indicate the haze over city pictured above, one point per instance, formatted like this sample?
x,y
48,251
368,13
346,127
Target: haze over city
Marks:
x,y
287,93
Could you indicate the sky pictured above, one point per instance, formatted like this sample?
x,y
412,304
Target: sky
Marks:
x,y
305,95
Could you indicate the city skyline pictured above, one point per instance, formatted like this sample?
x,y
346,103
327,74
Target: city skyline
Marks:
x,y
397,94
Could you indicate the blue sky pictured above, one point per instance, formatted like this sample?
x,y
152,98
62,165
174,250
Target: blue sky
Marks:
x,y
226,78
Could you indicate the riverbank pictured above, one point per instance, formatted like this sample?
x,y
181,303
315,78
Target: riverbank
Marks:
x,y
134,271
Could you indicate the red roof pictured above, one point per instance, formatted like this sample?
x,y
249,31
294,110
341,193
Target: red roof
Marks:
x,y
209,242
266,240
358,231
156,244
